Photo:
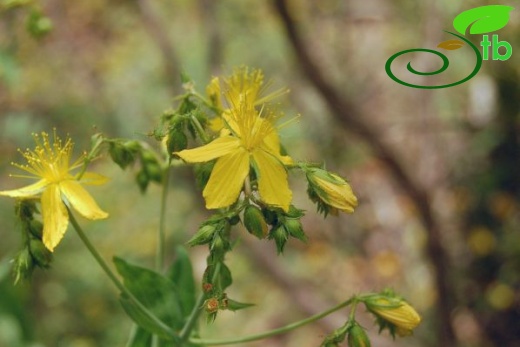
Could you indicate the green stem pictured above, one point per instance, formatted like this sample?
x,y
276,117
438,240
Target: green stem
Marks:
x,y
116,281
200,129
161,234
273,332
197,310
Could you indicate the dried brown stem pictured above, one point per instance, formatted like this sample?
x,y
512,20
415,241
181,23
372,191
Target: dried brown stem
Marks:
x,y
345,113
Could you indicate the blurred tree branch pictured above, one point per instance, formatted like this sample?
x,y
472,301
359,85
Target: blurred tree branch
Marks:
x,y
158,33
345,112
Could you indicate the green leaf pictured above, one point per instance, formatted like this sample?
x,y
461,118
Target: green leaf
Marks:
x,y
156,292
181,273
483,19
233,305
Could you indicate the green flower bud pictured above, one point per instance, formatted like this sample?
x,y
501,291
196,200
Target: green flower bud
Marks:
x,y
177,141
294,228
142,180
280,236
41,255
151,166
218,245
36,228
357,337
23,265
204,235
121,154
254,222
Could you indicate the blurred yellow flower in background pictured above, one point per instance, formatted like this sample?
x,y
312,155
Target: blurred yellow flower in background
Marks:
x,y
50,164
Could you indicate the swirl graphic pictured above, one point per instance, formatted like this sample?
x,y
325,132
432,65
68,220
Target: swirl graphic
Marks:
x,y
445,64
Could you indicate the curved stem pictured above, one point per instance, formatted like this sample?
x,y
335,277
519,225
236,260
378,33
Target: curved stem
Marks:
x,y
115,280
273,332
200,129
161,234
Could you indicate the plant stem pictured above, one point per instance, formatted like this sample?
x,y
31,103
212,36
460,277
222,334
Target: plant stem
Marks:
x,y
273,332
116,281
199,128
161,234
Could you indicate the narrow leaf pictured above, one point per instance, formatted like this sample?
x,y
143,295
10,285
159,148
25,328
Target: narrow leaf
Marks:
x,y
233,305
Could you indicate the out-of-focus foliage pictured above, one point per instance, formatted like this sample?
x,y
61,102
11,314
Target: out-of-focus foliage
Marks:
x,y
101,68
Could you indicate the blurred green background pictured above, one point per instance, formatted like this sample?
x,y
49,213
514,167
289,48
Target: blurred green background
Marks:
x,y
437,174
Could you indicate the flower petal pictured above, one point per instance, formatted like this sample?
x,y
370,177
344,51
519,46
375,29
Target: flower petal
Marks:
x,y
27,191
81,200
55,217
226,179
272,145
93,179
215,149
272,180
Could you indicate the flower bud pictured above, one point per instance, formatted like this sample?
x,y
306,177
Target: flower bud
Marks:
x,y
211,305
393,313
357,337
36,228
254,222
41,255
294,228
151,166
142,180
121,155
177,141
280,236
203,235
331,192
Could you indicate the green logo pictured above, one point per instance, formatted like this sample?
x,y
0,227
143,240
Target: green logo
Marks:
x,y
480,20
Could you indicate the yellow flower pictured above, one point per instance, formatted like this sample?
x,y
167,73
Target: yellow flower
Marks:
x,y
330,191
249,139
395,313
50,164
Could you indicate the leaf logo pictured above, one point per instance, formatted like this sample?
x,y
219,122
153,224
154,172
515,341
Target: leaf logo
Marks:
x,y
482,20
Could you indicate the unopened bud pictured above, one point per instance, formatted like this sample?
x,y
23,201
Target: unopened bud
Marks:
x,y
294,227
211,305
357,337
254,222
142,180
41,255
36,228
177,141
121,155
203,235
280,236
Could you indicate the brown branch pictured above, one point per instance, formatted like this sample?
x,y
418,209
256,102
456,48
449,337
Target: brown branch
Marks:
x,y
157,32
346,113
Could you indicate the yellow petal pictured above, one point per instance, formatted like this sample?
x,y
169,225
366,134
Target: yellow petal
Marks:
x,y
272,144
27,191
55,217
94,179
272,180
215,149
226,179
81,200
